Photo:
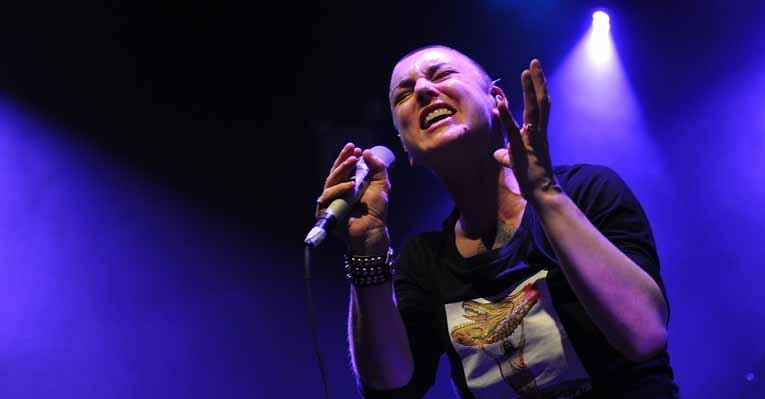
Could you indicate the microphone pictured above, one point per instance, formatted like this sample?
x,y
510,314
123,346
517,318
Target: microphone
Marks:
x,y
338,210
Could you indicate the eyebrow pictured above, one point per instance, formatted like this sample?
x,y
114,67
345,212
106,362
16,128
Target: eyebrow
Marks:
x,y
409,82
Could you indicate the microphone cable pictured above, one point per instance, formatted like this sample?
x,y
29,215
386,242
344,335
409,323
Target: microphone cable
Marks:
x,y
312,321
337,210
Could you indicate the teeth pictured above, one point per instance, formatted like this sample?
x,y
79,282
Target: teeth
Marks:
x,y
436,113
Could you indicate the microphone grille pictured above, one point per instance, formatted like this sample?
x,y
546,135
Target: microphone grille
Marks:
x,y
384,154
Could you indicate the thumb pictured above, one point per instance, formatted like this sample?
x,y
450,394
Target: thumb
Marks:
x,y
377,168
503,157
375,164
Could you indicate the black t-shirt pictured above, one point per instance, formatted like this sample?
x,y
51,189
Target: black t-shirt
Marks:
x,y
508,320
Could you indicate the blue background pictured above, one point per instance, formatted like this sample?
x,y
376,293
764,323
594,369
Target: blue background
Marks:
x,y
159,165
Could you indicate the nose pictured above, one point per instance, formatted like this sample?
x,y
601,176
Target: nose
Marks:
x,y
425,91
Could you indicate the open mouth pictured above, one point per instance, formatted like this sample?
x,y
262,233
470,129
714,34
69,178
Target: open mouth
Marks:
x,y
434,114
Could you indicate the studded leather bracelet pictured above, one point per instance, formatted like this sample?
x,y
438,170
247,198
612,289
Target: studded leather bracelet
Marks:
x,y
364,271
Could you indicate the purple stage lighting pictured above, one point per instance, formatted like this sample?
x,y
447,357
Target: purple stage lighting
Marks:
x,y
591,88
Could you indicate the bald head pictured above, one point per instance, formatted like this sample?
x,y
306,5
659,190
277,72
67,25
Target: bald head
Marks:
x,y
480,71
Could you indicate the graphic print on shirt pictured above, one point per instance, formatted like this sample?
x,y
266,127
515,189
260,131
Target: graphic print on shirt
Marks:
x,y
514,345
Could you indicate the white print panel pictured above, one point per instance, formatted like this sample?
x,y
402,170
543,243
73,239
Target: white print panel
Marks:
x,y
514,345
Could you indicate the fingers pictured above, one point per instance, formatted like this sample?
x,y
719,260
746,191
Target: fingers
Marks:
x,y
375,164
530,105
539,83
503,157
513,134
378,171
332,193
347,150
342,172
377,168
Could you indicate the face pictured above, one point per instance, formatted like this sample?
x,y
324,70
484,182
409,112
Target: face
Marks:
x,y
439,98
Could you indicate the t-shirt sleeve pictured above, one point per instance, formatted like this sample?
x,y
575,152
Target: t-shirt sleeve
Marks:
x,y
614,210
416,303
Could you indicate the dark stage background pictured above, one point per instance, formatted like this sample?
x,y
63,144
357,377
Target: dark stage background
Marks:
x,y
159,164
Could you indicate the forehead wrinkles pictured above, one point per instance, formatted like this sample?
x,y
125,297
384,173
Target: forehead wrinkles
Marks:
x,y
419,62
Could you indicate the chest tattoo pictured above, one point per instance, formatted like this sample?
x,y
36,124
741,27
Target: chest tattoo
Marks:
x,y
505,232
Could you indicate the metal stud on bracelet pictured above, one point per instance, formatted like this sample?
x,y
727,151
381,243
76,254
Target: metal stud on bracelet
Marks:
x,y
362,271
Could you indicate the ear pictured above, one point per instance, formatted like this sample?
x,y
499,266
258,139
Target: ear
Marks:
x,y
497,93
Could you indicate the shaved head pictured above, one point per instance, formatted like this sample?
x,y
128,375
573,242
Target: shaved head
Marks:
x,y
481,71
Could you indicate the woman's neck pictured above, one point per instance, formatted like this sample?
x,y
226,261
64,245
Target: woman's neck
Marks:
x,y
484,192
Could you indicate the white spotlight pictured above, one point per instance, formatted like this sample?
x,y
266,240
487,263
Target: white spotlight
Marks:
x,y
601,23
599,44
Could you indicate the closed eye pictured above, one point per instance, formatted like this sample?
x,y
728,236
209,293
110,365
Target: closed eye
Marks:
x,y
441,75
402,96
